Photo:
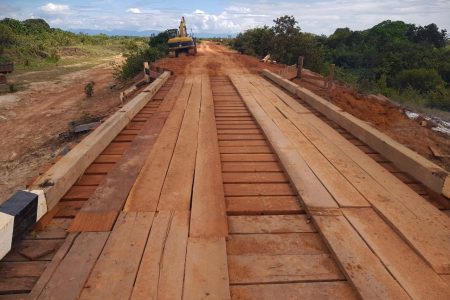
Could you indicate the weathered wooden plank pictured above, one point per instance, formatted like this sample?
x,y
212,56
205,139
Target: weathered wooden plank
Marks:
x,y
69,277
170,285
259,205
248,157
276,244
254,269
79,192
102,168
245,149
361,265
306,142
306,183
208,217
338,290
145,193
416,277
51,267
407,160
115,271
270,224
260,177
177,187
251,167
206,269
147,279
22,269
266,189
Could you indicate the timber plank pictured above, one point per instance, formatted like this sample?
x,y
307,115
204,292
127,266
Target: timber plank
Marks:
x,y
266,189
177,187
247,143
75,266
270,224
338,290
260,205
305,181
206,269
107,158
22,268
208,217
145,193
251,167
100,211
15,285
116,148
115,271
170,285
78,192
238,137
245,149
260,177
146,285
362,267
417,278
102,168
248,157
419,222
306,142
254,269
51,267
90,180
276,244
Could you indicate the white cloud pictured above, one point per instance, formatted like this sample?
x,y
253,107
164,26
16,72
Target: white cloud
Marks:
x,y
51,8
319,16
134,10
199,12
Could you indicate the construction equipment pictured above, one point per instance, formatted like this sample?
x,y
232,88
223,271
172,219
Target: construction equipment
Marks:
x,y
180,42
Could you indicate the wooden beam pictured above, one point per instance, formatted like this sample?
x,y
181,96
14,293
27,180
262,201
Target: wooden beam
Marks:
x,y
62,175
420,168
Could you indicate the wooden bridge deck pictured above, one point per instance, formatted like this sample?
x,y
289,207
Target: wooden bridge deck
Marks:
x,y
227,187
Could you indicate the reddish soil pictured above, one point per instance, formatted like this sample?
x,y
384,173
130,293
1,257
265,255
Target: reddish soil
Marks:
x,y
385,116
35,121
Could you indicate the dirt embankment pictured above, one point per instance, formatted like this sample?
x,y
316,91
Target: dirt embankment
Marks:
x,y
33,121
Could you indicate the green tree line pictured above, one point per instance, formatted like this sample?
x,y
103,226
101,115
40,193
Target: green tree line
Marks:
x,y
34,40
406,62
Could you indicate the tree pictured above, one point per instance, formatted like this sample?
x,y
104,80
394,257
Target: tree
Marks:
x,y
429,34
286,26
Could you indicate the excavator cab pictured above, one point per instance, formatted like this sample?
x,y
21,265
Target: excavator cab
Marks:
x,y
180,42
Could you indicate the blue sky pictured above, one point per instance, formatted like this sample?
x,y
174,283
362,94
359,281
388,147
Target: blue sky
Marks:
x,y
217,16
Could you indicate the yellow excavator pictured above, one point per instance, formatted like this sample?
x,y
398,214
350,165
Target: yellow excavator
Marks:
x,y
180,42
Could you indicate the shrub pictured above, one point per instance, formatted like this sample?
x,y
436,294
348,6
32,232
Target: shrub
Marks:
x,y
423,80
89,89
134,63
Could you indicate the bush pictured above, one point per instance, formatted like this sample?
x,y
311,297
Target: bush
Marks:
x,y
423,80
134,63
89,89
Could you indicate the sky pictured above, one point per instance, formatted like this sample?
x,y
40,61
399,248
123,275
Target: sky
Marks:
x,y
226,17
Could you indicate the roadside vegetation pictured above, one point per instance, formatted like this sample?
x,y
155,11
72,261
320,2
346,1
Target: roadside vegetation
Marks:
x,y
33,45
408,63
151,50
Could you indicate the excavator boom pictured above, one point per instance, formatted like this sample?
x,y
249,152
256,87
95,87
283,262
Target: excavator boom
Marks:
x,y
182,43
